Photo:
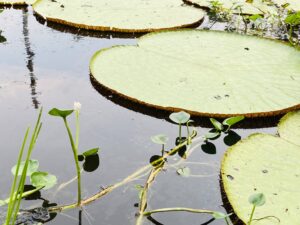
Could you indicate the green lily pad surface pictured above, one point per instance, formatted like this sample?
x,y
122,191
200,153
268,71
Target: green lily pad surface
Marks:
x,y
120,15
267,164
204,73
237,6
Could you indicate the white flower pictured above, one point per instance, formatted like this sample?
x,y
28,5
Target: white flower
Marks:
x,y
77,106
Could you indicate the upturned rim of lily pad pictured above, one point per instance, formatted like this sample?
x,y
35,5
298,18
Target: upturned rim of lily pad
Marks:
x,y
116,29
97,84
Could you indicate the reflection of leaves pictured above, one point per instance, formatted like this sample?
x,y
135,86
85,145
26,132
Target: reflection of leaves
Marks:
x,y
34,196
156,160
2,38
231,138
91,163
209,148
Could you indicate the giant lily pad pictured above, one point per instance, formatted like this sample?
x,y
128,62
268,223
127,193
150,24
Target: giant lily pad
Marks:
x,y
120,15
204,73
267,164
236,6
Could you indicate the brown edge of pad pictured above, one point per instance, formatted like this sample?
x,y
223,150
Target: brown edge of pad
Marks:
x,y
224,184
115,29
17,4
193,113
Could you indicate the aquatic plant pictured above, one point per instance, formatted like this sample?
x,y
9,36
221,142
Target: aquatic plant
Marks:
x,y
256,200
74,143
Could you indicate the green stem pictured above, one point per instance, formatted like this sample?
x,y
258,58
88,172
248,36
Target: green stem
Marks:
x,y
251,216
178,209
226,220
77,129
179,132
75,154
24,195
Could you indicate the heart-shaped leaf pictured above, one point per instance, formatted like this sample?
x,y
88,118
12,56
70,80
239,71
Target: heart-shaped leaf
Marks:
x,y
33,166
257,199
232,120
43,179
60,113
180,117
160,139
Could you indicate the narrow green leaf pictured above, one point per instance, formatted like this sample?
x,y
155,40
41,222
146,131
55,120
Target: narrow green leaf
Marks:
x,y
160,139
216,124
211,135
43,179
180,117
233,120
91,152
257,199
60,113
33,166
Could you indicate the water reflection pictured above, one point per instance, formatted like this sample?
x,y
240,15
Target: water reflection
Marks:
x,y
29,58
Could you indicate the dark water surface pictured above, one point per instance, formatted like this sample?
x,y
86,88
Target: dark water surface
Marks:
x,y
41,66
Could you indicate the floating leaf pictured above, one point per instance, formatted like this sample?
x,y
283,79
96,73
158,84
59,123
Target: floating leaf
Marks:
x,y
232,120
33,166
119,15
190,63
160,139
257,199
293,19
90,152
185,172
211,135
271,163
60,113
217,124
43,179
180,117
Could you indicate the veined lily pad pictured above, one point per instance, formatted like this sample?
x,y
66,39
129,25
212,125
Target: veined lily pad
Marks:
x,y
120,15
206,73
267,164
236,6
293,4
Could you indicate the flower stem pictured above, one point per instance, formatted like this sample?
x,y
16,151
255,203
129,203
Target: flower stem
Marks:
x,y
251,216
75,154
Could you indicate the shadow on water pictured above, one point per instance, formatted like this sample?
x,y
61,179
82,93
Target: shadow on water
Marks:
x,y
29,58
248,123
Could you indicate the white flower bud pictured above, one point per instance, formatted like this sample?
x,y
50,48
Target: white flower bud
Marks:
x,y
77,106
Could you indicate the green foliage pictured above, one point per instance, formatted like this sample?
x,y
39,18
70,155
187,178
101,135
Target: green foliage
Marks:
x,y
255,17
180,117
43,179
219,126
160,139
93,151
60,113
293,19
257,199
140,189
32,167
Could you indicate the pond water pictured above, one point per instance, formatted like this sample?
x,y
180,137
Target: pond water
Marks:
x,y
42,66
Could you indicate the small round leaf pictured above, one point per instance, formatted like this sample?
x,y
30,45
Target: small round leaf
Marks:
x,y
43,179
33,166
257,199
60,113
160,139
180,117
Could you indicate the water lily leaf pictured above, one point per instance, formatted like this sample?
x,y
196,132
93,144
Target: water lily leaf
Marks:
x,y
60,113
258,199
43,179
190,62
211,135
160,139
272,165
237,6
185,172
119,15
289,127
90,152
33,166
216,124
180,117
232,120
